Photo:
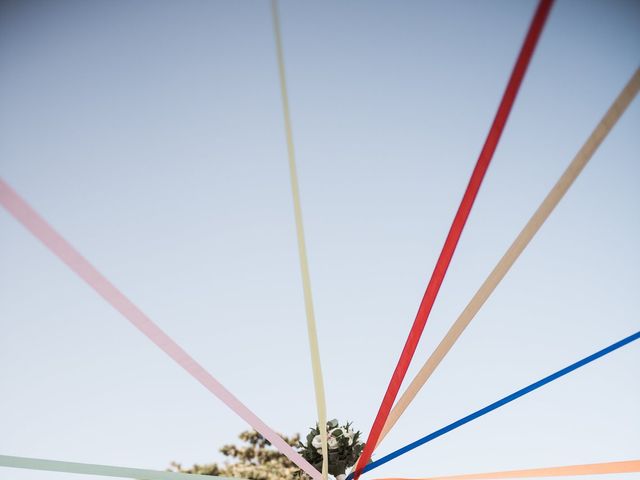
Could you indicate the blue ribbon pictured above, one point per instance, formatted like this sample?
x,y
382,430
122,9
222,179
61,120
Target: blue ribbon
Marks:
x,y
498,404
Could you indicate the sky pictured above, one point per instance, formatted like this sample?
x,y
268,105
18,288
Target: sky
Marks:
x,y
150,135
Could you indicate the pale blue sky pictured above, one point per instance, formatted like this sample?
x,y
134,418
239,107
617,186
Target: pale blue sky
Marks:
x,y
150,135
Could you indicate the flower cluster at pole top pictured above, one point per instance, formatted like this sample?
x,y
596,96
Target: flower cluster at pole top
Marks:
x,y
344,446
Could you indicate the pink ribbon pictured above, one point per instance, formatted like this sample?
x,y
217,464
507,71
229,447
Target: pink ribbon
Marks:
x,y
76,262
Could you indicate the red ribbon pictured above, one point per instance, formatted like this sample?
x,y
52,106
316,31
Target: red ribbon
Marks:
x,y
519,70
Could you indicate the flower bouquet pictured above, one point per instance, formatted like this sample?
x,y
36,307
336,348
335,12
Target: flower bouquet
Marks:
x,y
344,446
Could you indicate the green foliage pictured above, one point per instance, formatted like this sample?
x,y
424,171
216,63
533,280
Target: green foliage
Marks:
x,y
255,459
345,447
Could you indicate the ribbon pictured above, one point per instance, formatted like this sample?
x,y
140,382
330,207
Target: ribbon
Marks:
x,y
76,262
457,226
314,349
503,401
517,247
629,466
102,470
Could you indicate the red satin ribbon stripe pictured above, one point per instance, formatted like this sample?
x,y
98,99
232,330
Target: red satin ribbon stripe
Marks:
x,y
457,226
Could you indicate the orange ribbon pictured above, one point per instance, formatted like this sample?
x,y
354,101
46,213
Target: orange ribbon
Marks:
x,y
629,466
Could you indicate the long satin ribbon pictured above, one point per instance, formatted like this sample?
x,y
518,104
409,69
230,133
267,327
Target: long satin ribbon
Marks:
x,y
517,247
500,403
101,470
76,262
630,466
457,226
312,332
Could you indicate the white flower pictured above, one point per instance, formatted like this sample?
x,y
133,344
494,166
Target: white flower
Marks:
x,y
333,443
317,441
350,434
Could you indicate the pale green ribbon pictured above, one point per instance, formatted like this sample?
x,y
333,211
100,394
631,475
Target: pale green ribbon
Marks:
x,y
103,470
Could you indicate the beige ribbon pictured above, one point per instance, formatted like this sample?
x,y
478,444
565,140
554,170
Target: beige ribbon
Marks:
x,y
302,250
590,469
531,228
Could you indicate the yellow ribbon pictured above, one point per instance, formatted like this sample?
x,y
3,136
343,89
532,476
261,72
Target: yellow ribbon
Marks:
x,y
506,262
302,251
590,469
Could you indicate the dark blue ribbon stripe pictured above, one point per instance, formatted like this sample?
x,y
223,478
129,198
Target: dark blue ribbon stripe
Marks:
x,y
499,403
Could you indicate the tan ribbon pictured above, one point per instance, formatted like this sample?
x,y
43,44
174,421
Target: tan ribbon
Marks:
x,y
590,469
302,250
533,225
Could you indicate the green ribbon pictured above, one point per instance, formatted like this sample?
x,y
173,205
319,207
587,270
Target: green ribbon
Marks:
x,y
103,470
